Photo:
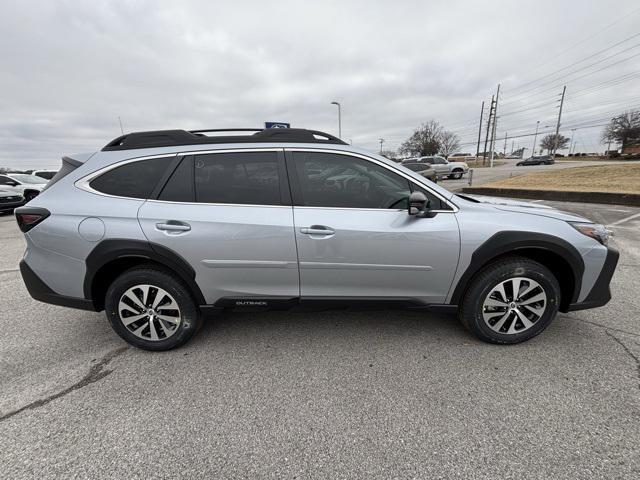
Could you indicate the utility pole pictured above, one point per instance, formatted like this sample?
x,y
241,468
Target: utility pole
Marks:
x,y
555,143
486,138
573,130
495,121
535,137
512,143
479,131
505,144
381,142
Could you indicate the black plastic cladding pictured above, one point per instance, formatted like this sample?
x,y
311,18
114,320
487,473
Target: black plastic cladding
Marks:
x,y
170,138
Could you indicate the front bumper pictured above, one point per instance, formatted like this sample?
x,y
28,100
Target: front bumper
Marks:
x,y
600,294
42,292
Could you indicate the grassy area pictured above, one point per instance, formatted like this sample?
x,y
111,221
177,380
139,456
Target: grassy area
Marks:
x,y
478,163
604,178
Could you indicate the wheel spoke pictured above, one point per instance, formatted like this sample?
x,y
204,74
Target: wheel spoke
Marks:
x,y
530,288
536,310
492,302
152,330
173,320
123,307
523,318
503,294
160,295
536,298
138,331
134,318
515,282
498,325
163,327
134,298
145,294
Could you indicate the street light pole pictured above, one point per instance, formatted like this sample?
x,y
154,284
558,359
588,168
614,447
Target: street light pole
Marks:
x,y
339,118
535,137
381,142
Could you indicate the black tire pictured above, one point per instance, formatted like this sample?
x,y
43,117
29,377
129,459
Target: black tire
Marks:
x,y
188,313
28,196
471,310
456,175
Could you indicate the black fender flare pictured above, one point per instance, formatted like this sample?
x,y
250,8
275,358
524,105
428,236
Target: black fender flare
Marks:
x,y
506,242
113,249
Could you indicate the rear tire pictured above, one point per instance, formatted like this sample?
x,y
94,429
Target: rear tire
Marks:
x,y
492,312
151,309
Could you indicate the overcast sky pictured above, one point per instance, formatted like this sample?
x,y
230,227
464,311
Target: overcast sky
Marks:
x,y
70,68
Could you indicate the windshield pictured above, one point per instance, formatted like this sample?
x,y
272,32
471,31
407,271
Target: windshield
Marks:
x,y
24,178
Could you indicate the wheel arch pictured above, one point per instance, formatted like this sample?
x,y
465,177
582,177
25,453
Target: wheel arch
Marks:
x,y
112,257
558,255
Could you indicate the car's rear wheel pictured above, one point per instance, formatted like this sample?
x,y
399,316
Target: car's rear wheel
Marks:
x,y
151,309
30,195
510,301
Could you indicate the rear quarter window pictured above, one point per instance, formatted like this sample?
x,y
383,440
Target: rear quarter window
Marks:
x,y
133,180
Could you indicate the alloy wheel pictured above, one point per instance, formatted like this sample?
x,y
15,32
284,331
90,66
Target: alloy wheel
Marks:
x,y
149,312
514,305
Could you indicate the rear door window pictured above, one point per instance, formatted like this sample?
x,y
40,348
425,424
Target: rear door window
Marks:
x,y
249,178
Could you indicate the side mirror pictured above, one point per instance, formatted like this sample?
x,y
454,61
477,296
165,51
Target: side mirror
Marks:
x,y
419,204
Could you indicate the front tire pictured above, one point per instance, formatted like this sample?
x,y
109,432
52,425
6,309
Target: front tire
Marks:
x,y
151,309
510,301
456,175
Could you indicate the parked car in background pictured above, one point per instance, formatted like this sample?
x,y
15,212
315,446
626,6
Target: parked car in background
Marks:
x,y
46,174
543,160
9,200
424,169
442,166
28,186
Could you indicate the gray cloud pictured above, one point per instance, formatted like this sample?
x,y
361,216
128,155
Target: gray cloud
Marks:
x,y
71,68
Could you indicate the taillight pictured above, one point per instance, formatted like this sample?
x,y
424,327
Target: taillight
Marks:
x,y
29,217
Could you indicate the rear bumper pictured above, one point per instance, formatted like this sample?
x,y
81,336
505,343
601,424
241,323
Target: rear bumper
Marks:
x,y
600,294
42,292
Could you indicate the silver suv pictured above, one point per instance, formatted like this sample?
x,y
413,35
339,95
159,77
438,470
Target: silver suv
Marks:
x,y
160,229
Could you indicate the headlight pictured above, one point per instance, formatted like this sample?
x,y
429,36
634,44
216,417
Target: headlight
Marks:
x,y
594,230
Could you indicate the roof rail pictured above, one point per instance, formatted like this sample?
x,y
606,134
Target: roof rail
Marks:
x,y
170,138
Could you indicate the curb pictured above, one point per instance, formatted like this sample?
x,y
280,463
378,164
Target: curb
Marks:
x,y
630,199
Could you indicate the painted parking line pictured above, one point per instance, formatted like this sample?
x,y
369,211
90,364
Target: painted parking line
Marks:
x,y
626,219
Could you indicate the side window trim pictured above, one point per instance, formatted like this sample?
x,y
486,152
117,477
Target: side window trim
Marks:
x,y
296,191
155,193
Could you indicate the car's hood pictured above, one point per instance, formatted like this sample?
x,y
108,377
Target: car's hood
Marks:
x,y
528,207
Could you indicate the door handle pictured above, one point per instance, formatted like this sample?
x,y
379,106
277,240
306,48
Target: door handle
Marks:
x,y
172,226
317,230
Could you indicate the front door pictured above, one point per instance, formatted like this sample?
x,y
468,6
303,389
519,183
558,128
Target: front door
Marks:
x,y
229,216
355,238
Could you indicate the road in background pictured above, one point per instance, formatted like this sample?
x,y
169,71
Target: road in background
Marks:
x,y
382,394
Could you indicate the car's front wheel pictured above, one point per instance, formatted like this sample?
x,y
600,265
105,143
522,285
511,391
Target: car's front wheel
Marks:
x,y
151,309
456,175
510,301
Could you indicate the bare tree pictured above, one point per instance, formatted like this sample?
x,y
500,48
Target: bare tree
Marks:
x,y
623,128
549,142
425,140
449,143
390,154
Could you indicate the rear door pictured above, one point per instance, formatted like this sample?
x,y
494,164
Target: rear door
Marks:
x,y
354,236
228,213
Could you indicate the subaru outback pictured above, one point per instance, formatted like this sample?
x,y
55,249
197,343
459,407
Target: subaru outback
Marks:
x,y
161,229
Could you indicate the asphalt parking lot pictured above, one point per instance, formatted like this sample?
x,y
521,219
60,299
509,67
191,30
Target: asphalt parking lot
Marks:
x,y
384,394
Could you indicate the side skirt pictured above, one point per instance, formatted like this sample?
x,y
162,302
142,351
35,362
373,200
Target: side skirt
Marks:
x,y
255,304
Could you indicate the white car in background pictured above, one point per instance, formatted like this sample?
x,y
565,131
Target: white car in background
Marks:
x,y
28,186
46,174
442,166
